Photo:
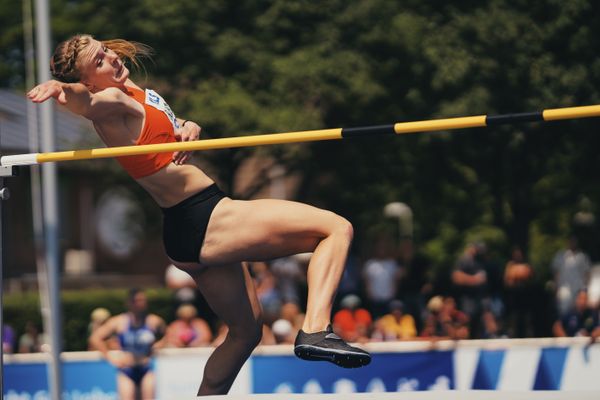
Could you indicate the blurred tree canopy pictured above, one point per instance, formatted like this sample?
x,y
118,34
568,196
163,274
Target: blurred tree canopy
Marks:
x,y
241,67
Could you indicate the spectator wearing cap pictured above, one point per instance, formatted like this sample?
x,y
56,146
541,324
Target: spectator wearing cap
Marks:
x,y
283,331
396,325
352,322
188,330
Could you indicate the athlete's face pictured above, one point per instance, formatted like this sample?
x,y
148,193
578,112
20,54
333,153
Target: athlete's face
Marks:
x,y
139,303
101,67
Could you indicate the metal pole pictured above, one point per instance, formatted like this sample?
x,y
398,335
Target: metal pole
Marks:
x,y
2,193
50,212
34,173
34,146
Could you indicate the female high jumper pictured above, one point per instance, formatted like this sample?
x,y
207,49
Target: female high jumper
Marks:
x,y
205,232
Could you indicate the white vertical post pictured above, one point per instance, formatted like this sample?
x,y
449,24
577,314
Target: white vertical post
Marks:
x,y
50,203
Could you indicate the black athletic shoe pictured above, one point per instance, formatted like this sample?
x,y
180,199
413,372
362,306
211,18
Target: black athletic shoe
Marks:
x,y
327,346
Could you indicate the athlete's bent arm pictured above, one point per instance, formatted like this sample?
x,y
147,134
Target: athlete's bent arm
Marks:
x,y
98,338
188,131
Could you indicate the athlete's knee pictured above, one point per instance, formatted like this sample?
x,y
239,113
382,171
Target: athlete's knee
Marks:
x,y
344,228
249,334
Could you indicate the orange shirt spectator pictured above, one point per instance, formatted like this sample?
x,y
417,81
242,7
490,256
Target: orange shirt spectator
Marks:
x,y
351,322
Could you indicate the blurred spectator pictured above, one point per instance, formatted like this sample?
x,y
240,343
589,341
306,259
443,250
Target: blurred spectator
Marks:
x,y
268,338
351,322
266,290
181,283
444,320
470,281
416,287
32,341
289,274
456,320
491,323
596,318
188,330
396,325
291,312
351,280
98,317
283,331
579,321
432,326
139,333
185,291
8,339
571,269
382,275
518,282
494,284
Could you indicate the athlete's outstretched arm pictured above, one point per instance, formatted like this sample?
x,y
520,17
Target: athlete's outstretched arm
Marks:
x,y
78,99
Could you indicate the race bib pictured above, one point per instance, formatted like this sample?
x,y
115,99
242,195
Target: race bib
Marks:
x,y
153,99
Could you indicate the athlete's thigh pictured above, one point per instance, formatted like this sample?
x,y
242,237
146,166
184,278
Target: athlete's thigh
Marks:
x,y
147,386
263,229
125,386
230,293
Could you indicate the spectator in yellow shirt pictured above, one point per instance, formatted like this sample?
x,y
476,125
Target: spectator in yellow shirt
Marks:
x,y
396,325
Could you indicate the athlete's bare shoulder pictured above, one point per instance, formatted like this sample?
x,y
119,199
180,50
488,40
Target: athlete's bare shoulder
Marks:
x,y
112,102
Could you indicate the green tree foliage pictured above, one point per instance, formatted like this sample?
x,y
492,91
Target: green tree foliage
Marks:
x,y
77,306
241,67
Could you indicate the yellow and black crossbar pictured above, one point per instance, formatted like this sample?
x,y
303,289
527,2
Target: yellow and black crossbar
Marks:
x,y
306,136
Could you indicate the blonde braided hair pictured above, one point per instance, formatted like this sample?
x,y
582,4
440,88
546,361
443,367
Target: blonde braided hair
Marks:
x,y
64,63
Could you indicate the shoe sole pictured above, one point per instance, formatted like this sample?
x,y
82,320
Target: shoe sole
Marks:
x,y
344,359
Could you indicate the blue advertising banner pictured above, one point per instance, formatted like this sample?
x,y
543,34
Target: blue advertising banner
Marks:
x,y
550,369
388,372
81,380
527,366
488,369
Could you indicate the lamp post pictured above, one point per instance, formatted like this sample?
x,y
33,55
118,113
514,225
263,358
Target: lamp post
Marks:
x,y
405,218
404,214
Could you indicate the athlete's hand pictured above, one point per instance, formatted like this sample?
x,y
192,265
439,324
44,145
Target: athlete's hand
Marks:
x,y
46,90
188,132
120,359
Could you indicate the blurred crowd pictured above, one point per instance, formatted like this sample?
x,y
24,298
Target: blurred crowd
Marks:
x,y
392,296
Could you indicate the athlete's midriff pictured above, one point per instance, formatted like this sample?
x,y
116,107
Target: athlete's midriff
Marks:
x,y
175,183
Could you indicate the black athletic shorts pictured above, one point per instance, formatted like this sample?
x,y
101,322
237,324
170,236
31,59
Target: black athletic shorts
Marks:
x,y
184,224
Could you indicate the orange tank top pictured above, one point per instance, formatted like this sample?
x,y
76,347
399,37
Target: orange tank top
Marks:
x,y
159,127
